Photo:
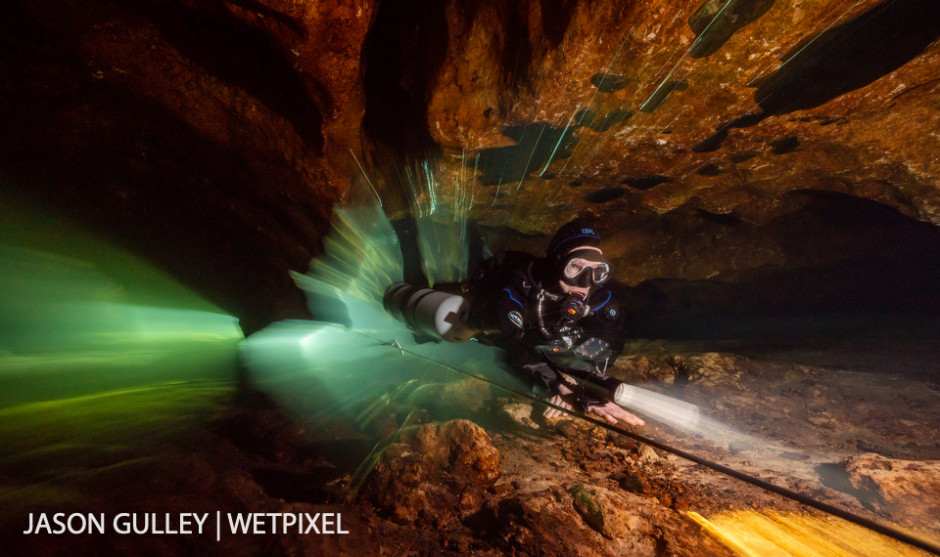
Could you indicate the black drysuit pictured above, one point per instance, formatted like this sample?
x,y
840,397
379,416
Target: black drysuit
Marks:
x,y
519,295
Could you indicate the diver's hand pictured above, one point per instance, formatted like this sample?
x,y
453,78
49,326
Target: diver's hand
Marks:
x,y
613,413
559,400
610,411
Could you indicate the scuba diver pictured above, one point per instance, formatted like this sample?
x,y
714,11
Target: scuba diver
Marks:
x,y
553,318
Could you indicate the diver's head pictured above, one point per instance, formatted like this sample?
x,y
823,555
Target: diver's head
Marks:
x,y
576,258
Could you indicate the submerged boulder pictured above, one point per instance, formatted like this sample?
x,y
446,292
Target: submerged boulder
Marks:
x,y
436,473
895,481
605,511
908,489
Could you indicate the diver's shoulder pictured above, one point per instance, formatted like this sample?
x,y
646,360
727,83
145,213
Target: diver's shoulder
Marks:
x,y
599,296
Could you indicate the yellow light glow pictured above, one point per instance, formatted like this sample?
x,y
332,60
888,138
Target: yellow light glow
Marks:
x,y
770,533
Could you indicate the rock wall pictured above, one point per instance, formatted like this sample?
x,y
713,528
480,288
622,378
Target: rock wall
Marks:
x,y
216,136
722,106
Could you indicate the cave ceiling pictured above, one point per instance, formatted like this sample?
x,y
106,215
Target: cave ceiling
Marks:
x,y
216,136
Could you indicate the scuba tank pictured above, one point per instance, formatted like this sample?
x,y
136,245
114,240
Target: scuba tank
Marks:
x,y
429,312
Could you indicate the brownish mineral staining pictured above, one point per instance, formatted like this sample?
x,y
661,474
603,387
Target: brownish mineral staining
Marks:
x,y
716,20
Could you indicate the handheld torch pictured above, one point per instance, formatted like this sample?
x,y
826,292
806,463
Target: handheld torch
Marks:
x,y
676,413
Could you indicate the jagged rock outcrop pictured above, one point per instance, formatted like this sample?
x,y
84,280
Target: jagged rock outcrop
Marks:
x,y
605,511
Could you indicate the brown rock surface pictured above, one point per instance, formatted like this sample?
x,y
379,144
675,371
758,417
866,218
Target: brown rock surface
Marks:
x,y
435,472
568,487
907,488
605,511
810,124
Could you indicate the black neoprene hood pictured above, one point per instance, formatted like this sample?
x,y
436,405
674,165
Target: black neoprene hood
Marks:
x,y
570,236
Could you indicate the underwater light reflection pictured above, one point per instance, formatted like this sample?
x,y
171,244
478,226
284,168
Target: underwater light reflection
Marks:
x,y
80,316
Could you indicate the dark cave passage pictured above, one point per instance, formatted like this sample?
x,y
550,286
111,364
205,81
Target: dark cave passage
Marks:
x,y
860,279
851,255
402,55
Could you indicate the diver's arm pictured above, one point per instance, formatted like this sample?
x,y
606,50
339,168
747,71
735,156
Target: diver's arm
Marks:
x,y
511,314
589,393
